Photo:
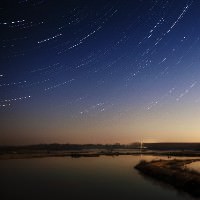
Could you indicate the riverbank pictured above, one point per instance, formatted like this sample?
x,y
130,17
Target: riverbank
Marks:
x,y
73,154
95,150
94,153
173,172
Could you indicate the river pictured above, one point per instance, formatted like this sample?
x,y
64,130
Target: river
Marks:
x,y
93,178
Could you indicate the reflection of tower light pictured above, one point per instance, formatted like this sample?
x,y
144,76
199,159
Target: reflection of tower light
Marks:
x,y
141,150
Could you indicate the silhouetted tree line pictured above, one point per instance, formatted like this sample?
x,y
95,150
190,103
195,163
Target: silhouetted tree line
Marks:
x,y
66,147
79,147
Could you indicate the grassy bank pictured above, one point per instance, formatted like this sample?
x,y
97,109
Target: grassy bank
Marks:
x,y
173,172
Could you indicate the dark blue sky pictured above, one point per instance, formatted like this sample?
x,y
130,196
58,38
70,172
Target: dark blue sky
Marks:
x,y
99,71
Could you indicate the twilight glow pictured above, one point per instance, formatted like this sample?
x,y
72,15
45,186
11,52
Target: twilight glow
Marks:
x,y
99,71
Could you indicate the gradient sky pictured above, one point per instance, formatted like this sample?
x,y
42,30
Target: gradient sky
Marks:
x,y
99,71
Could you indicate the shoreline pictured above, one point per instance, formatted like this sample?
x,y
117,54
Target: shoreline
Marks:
x,y
94,153
173,172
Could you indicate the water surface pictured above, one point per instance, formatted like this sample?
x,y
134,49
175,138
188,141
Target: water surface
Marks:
x,y
69,178
194,166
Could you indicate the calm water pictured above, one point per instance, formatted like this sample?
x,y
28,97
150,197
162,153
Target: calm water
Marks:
x,y
80,178
194,166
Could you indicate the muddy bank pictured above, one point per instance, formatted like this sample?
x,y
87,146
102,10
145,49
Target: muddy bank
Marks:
x,y
173,172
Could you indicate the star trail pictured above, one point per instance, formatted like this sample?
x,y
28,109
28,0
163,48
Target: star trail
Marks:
x,y
107,71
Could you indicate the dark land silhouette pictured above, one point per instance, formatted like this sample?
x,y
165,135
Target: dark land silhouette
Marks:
x,y
94,150
173,172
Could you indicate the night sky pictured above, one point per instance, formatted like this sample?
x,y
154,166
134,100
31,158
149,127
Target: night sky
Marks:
x,y
99,71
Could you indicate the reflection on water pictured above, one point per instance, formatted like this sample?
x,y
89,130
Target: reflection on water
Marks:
x,y
80,178
194,166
